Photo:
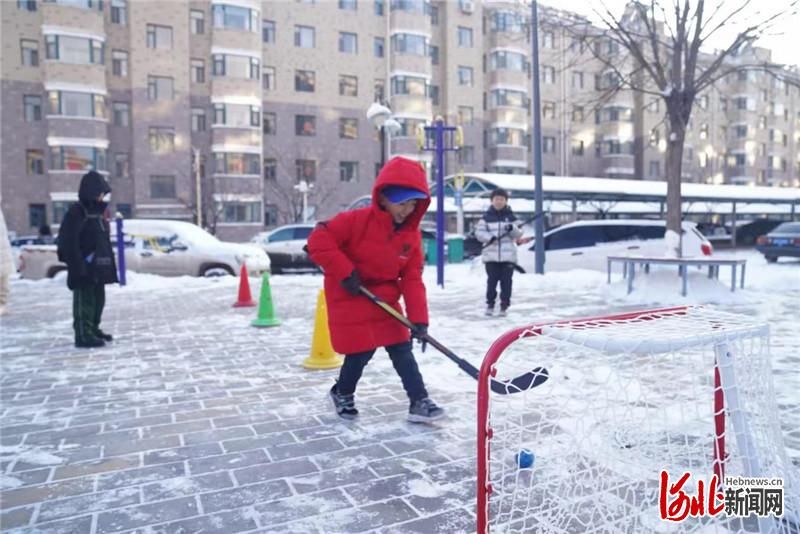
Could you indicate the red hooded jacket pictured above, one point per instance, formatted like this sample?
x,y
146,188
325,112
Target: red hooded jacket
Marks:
x,y
389,262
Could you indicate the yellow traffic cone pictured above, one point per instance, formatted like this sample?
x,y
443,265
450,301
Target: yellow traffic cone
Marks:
x,y
322,355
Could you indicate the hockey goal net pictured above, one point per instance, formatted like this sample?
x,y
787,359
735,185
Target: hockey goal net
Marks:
x,y
684,390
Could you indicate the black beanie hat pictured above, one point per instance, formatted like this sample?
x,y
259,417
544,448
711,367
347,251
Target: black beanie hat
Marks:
x,y
500,192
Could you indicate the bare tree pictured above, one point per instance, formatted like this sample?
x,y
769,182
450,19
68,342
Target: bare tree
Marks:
x,y
664,41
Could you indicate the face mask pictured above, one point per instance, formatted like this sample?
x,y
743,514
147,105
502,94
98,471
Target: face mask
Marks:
x,y
107,198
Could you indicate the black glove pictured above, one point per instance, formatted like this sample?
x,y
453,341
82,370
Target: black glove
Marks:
x,y
509,227
418,333
352,284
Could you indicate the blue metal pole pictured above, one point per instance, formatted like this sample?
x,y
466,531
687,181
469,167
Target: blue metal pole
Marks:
x,y
120,251
537,144
440,202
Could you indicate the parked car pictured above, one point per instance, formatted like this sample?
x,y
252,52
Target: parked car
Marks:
x,y
748,232
18,242
284,245
587,244
169,248
784,240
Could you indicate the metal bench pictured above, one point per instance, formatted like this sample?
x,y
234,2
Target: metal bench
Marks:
x,y
629,264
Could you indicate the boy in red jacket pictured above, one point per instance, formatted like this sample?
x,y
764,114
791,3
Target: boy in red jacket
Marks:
x,y
378,247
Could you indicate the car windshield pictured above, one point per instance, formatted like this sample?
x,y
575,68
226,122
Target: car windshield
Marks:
x,y
195,235
787,228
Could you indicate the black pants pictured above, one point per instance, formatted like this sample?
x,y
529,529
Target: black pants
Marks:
x,y
87,310
502,272
403,361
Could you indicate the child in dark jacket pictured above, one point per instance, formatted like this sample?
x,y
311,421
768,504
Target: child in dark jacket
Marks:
x,y
84,244
379,247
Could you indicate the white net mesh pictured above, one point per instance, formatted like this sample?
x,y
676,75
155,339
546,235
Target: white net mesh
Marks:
x,y
625,400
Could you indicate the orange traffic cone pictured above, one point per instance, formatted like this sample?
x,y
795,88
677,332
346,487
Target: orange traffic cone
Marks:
x,y
245,298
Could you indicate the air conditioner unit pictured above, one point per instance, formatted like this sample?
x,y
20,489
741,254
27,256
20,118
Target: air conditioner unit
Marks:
x,y
467,6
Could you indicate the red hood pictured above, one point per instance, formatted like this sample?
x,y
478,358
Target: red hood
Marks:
x,y
406,173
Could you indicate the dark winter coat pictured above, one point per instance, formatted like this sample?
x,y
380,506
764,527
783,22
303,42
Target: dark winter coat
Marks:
x,y
84,242
388,260
498,232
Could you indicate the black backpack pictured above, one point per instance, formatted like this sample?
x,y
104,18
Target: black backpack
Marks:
x,y
61,247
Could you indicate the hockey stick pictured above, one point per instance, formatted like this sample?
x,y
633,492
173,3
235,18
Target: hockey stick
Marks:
x,y
523,382
523,223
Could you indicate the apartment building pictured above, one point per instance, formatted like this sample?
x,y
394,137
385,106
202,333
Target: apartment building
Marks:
x,y
217,109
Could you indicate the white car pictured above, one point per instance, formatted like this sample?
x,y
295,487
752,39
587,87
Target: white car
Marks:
x,y
587,244
163,247
285,247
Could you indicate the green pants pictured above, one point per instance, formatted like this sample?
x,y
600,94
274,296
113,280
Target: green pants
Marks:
x,y
87,311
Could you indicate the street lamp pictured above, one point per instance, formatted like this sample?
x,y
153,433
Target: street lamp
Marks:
x,y
304,188
381,118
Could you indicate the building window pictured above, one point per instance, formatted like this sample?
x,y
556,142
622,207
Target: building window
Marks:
x,y
548,145
348,171
121,165
577,114
577,80
197,22
704,131
237,115
119,63
434,94
655,137
548,40
30,52
348,85
305,170
434,52
464,37
122,113
162,186
77,50
235,18
60,209
160,88
268,31
434,13
159,36
548,110
741,131
119,12
236,66
33,107
34,161
379,7
305,125
348,43
410,44
270,169
348,128
465,115
73,104
408,85
198,120
655,169
379,46
26,5
237,163
506,60
77,158
507,21
379,91
577,147
270,122
465,76
548,74
304,36
508,97
240,212
466,155
198,71
268,78
37,215
162,140
304,81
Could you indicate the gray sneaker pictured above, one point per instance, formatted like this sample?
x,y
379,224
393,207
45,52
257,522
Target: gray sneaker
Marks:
x,y
489,311
344,405
424,411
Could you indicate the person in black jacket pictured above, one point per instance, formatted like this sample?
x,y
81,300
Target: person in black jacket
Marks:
x,y
84,244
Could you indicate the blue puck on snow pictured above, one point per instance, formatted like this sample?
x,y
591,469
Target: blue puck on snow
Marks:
x,y
524,458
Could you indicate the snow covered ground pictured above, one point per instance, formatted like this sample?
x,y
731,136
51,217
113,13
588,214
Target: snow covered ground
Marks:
x,y
194,420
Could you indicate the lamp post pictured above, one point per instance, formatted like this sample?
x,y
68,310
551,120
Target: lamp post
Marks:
x,y
304,188
537,143
381,118
445,139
